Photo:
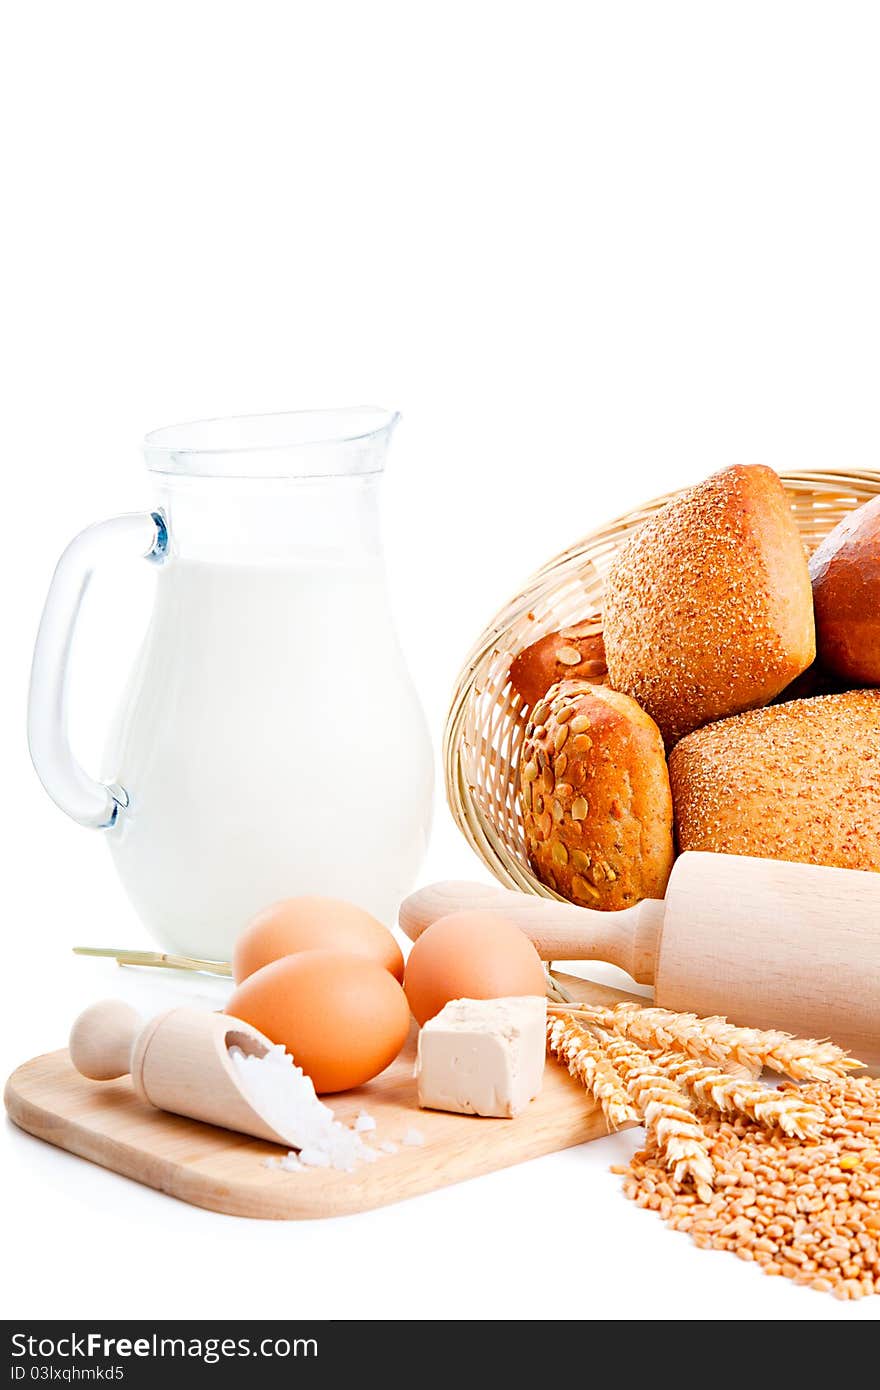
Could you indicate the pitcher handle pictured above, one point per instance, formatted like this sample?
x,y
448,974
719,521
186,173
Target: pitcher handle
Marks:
x,y
90,802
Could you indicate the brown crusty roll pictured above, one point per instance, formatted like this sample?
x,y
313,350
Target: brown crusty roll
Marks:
x,y
574,653
798,781
595,797
845,571
708,608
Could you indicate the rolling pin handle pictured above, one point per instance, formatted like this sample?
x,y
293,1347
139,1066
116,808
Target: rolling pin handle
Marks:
x,y
102,1038
628,938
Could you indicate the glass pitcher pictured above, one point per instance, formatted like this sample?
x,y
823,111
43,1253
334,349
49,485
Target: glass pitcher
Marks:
x,y
270,742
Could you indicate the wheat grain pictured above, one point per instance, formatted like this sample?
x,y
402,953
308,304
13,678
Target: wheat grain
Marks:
x,y
809,1211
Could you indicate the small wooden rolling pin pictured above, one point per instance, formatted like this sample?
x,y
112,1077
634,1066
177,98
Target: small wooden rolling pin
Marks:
x,y
769,944
178,1061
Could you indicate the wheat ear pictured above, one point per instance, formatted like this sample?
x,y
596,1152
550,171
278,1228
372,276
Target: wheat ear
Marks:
x,y
666,1112
728,1094
802,1059
576,1048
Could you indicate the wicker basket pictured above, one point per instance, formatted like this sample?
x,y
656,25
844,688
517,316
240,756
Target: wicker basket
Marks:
x,y
485,725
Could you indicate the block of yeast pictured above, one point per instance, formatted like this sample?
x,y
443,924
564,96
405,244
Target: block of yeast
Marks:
x,y
483,1056
798,781
708,608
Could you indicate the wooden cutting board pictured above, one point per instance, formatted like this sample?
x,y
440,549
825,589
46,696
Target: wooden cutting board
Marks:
x,y
105,1122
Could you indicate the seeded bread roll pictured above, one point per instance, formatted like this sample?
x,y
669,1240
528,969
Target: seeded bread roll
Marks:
x,y
595,797
845,571
574,653
798,781
708,609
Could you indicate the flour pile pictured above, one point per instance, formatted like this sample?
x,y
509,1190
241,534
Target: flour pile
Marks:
x,y
285,1097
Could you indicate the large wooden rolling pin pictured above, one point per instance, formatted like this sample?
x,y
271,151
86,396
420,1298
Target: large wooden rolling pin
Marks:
x,y
769,944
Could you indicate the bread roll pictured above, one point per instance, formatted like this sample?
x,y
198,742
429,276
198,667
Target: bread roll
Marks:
x,y
798,781
708,609
845,571
574,653
595,797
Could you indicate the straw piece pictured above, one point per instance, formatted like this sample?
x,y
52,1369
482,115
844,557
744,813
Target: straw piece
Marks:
x,y
161,959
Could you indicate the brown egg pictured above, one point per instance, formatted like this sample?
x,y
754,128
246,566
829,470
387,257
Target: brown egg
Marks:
x,y
470,955
313,924
342,1018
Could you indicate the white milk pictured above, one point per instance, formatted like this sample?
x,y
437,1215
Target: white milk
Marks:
x,y
271,744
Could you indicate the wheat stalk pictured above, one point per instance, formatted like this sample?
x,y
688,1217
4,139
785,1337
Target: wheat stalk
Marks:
x,y
557,994
714,1039
728,1094
665,1110
576,1048
160,959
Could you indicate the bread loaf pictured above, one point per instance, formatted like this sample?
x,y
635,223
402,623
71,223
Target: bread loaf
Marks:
x,y
845,571
796,781
595,797
708,608
574,653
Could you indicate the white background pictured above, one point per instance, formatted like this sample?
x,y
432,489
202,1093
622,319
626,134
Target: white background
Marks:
x,y
591,251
